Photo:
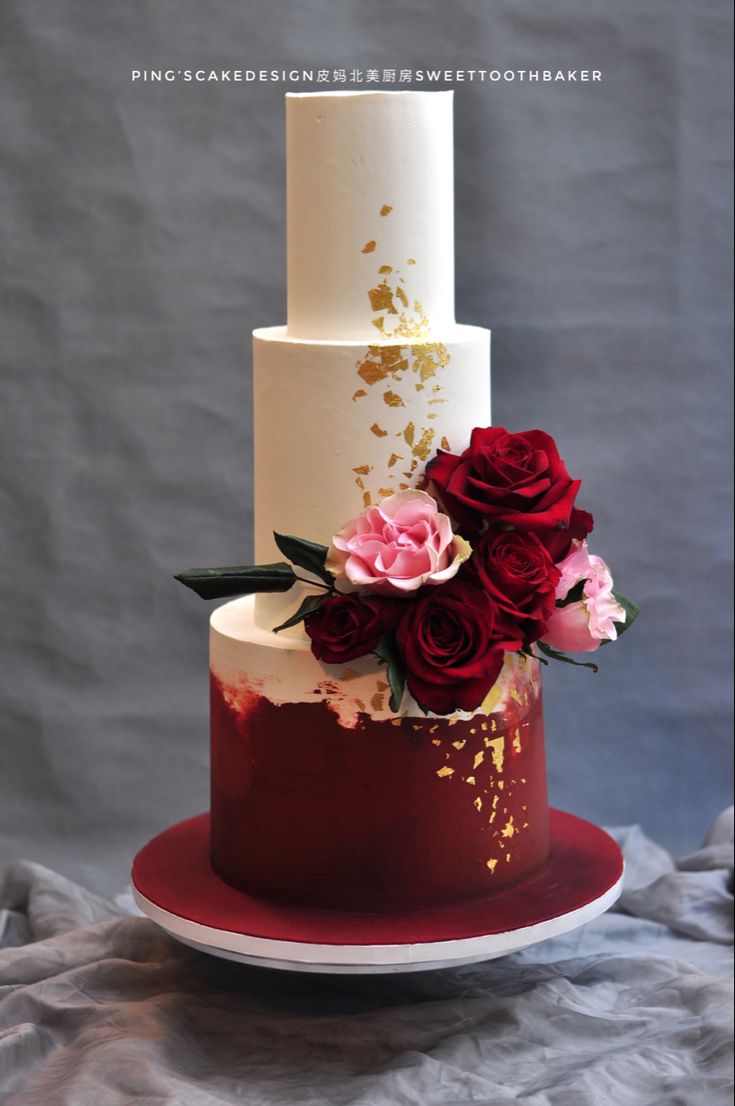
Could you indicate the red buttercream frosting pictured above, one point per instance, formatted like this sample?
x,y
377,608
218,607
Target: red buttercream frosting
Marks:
x,y
393,815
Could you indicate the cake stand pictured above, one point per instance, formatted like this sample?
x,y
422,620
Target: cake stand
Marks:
x,y
174,885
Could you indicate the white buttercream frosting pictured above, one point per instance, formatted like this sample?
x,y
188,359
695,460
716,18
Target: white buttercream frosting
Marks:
x,y
248,659
369,181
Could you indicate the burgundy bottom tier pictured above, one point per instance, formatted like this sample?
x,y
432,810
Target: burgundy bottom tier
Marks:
x,y
390,815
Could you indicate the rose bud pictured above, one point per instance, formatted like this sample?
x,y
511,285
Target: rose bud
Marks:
x,y
583,625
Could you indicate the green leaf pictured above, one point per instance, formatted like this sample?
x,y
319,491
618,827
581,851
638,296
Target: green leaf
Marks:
x,y
556,655
308,606
387,651
524,652
632,610
219,583
305,554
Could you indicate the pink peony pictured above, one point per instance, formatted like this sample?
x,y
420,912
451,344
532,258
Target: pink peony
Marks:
x,y
582,626
398,546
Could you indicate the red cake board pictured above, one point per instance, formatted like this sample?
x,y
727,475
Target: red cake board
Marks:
x,y
174,885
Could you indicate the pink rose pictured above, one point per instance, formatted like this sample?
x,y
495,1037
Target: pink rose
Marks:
x,y
582,626
398,546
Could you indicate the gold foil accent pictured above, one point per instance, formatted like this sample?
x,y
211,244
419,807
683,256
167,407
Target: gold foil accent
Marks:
x,y
492,864
508,829
459,744
497,751
479,757
381,298
377,701
409,433
477,803
385,269
367,499
363,470
517,741
369,246
422,448
359,394
393,458
471,780
393,399
492,698
402,295
378,431
411,261
444,772
436,741
386,209
385,492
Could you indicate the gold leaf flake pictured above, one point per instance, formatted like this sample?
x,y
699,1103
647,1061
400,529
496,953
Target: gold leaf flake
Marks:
x,y
479,757
517,741
436,741
366,499
445,444
409,433
459,744
422,448
386,209
363,470
393,458
497,751
445,771
472,780
508,829
492,865
385,269
381,298
393,399
411,261
369,246
378,431
478,803
359,394
402,296
386,492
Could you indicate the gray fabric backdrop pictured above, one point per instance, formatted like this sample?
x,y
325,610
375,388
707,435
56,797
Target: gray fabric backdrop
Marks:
x,y
143,238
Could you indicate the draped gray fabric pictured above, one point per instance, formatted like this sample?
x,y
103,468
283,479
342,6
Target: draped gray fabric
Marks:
x,y
634,1009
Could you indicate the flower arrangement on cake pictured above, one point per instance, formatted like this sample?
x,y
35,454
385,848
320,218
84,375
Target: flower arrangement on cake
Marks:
x,y
488,556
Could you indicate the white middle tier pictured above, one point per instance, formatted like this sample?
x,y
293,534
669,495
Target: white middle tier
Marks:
x,y
341,425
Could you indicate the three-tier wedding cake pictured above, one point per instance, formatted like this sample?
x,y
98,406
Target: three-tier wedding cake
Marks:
x,y
321,794
378,782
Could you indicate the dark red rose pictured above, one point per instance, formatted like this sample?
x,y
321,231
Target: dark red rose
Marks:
x,y
559,542
520,577
452,642
510,479
344,627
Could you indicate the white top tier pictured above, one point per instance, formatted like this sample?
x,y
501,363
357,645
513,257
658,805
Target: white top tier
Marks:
x,y
369,187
